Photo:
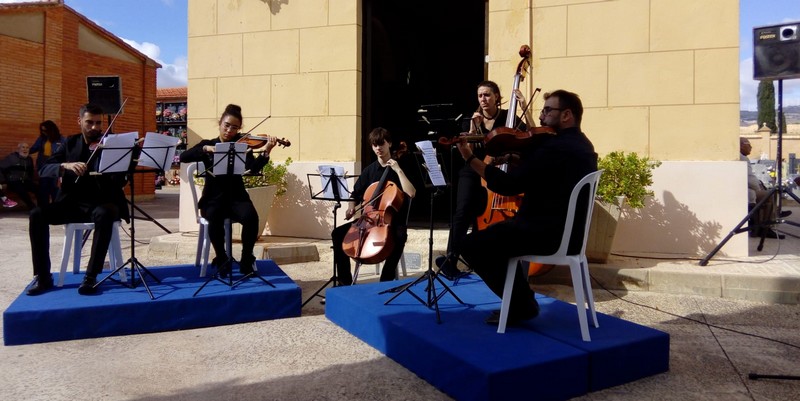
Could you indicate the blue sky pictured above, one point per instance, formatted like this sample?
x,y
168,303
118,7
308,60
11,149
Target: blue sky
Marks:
x,y
158,28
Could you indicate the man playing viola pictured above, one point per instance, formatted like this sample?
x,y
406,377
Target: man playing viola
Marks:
x,y
83,198
550,166
381,141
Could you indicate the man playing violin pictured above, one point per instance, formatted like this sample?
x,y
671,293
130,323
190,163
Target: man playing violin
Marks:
x,y
83,198
381,141
550,166
224,196
470,194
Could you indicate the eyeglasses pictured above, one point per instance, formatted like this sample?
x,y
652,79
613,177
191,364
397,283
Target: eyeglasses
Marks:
x,y
231,127
548,109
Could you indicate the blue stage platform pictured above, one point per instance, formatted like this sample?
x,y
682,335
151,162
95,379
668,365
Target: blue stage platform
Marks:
x,y
543,359
63,314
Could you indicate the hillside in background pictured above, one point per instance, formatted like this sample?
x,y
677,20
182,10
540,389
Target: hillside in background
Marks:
x,y
792,114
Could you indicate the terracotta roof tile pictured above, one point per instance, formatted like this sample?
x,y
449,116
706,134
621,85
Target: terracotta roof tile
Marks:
x,y
171,93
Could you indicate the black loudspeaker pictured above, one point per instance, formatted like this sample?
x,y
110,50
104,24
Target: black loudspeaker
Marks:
x,y
105,92
776,51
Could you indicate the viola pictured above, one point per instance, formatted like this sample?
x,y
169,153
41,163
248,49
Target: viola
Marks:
x,y
503,139
370,238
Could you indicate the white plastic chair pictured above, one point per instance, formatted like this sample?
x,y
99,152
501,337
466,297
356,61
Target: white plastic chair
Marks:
x,y
578,265
73,242
203,241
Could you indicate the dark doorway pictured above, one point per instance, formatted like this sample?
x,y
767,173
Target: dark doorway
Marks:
x,y
422,58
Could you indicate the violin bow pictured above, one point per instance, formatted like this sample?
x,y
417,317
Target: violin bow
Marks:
x,y
100,141
527,106
256,126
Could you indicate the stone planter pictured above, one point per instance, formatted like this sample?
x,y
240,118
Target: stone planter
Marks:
x,y
602,230
262,198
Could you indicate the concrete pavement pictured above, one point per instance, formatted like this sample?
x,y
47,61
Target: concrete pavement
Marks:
x,y
722,319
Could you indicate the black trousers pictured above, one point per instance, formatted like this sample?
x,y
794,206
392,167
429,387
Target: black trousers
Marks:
x,y
470,203
487,251
41,218
389,271
239,211
23,189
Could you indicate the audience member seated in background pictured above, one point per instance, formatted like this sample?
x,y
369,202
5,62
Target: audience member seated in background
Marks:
x,y
3,198
756,191
16,171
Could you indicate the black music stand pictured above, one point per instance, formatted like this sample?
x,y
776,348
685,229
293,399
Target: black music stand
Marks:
x,y
234,165
434,181
334,188
135,265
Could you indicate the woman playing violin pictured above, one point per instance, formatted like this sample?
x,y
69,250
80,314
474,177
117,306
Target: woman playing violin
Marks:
x,y
381,141
471,196
224,196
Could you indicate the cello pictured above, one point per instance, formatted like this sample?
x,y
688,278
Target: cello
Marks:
x,y
370,238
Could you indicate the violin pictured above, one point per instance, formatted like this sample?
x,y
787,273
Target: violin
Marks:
x,y
257,141
370,238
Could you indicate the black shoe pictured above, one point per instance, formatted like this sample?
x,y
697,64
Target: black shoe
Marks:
x,y
87,286
447,267
772,234
516,318
786,213
246,264
223,266
40,285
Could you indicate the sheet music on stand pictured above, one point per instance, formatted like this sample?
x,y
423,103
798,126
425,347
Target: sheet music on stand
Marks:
x,y
431,163
334,182
116,155
158,150
221,158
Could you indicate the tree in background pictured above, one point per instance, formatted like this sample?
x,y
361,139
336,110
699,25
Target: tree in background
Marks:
x,y
766,105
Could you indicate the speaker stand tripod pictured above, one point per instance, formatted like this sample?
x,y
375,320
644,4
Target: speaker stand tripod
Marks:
x,y
776,193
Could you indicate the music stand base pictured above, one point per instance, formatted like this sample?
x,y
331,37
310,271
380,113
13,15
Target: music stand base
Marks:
x,y
430,277
230,282
136,267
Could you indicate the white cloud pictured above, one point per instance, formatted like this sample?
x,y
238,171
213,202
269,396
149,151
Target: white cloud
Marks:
x,y
170,75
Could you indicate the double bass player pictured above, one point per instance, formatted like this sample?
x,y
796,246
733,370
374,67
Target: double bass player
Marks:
x,y
381,141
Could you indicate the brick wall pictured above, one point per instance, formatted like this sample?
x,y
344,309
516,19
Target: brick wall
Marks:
x,y
47,81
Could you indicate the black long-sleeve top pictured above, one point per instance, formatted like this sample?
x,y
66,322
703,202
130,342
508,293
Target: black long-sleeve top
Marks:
x,y
224,187
550,167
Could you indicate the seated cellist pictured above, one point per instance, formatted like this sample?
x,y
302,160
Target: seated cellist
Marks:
x,y
381,141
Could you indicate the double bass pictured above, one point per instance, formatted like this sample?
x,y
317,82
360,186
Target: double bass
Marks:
x,y
500,207
370,238
501,140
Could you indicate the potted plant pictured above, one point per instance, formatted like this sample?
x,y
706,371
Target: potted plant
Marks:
x,y
625,180
263,189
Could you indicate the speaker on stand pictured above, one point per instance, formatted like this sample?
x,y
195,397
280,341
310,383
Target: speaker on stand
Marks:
x,y
106,92
776,51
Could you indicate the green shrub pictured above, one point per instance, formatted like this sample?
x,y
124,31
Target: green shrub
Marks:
x,y
626,175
